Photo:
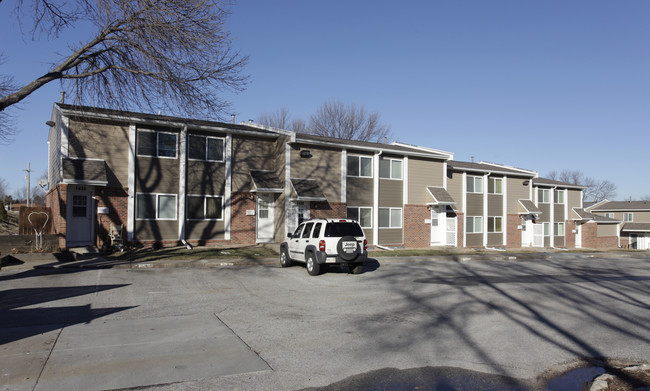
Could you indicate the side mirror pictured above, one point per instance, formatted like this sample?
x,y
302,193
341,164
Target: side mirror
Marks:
x,y
289,235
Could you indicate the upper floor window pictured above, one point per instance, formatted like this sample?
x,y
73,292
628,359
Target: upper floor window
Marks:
x,y
610,215
543,196
204,207
628,216
390,169
474,184
360,166
361,214
495,185
206,148
559,196
156,144
390,217
156,206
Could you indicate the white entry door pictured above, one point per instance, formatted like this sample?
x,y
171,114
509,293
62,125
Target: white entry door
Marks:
x,y
538,235
578,235
265,217
451,231
79,218
437,227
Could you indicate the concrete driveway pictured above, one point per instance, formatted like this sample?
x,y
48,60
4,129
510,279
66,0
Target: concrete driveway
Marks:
x,y
263,327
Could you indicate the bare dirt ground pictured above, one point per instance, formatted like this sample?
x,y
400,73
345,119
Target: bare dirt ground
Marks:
x,y
10,225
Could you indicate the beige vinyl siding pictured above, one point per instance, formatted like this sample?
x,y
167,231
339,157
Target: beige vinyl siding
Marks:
x,y
455,188
324,165
107,141
495,239
547,241
474,240
516,191
558,241
390,236
391,193
156,175
251,153
204,230
474,204
495,205
558,210
54,140
546,212
607,230
573,198
156,230
423,173
206,178
359,191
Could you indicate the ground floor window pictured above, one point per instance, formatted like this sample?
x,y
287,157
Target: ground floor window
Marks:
x,y
558,229
204,207
547,229
390,217
474,224
495,224
361,214
156,206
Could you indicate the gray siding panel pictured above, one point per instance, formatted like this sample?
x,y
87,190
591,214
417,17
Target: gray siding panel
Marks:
x,y
558,241
546,212
423,173
390,236
157,175
474,240
516,191
455,188
205,230
156,230
359,191
206,178
324,165
474,204
495,205
607,230
495,239
391,193
558,209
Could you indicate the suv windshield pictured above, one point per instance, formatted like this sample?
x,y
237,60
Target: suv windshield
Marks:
x,y
335,230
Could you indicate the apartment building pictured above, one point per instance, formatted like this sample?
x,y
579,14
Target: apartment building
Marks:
x,y
633,217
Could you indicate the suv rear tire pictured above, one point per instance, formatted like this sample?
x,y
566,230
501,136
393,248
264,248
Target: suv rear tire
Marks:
x,y
356,268
313,268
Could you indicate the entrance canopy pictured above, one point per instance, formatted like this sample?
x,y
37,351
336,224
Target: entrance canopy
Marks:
x,y
307,190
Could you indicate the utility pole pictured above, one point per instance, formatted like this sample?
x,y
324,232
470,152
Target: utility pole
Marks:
x,y
28,183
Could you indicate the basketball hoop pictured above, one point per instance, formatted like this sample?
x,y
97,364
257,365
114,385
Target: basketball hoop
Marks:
x,y
38,225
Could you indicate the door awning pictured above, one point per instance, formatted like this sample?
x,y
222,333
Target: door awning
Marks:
x,y
307,190
440,196
84,172
529,207
266,181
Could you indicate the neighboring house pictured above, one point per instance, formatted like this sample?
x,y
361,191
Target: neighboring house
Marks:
x,y
556,201
634,219
168,180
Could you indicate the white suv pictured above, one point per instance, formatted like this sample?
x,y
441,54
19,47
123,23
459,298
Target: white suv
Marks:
x,y
326,241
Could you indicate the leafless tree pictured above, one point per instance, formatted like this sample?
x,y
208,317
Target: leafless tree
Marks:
x,y
645,197
347,121
171,55
3,188
595,190
281,119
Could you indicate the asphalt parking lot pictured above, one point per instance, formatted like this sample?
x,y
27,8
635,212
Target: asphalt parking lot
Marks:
x,y
261,327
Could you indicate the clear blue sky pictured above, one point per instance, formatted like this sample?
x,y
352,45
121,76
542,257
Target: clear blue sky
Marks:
x,y
542,85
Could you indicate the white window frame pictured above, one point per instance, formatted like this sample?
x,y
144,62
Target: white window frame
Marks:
x,y
358,208
477,222
628,217
158,133
491,227
358,158
547,229
391,223
205,153
474,179
609,214
156,206
391,173
556,196
205,206
556,229
545,196
494,181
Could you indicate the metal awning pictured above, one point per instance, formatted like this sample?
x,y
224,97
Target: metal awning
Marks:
x,y
266,181
307,190
529,207
636,227
440,196
84,171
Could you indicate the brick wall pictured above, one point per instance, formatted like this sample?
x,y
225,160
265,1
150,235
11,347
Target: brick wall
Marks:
x,y
417,234
56,201
569,235
513,237
328,210
117,202
242,227
590,238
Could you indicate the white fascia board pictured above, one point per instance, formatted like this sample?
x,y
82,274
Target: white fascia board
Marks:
x,y
371,149
524,171
445,154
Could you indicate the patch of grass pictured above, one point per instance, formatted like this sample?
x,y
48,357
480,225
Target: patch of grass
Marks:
x,y
196,254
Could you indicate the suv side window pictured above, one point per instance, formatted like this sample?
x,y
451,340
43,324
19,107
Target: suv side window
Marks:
x,y
296,233
316,232
307,231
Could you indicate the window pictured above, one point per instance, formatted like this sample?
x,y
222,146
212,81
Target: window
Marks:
x,y
559,196
361,214
360,166
390,169
495,224
206,148
547,229
156,144
610,215
495,185
543,196
156,206
317,229
79,206
204,207
390,218
307,231
558,229
629,216
474,224
474,184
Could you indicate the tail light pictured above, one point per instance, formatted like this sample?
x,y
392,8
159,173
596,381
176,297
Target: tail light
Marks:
x,y
321,245
365,244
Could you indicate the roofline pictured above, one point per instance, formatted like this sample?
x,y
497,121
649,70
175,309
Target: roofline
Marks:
x,y
505,173
531,172
159,122
341,144
555,185
450,155
597,204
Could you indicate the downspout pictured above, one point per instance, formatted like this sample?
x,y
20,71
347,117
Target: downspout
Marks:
x,y
182,187
375,212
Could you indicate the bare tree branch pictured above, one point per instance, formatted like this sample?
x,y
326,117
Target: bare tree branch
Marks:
x,y
350,122
595,190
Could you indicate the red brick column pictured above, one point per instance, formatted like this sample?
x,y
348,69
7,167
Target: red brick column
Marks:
x,y
513,238
417,234
56,201
569,234
590,235
117,202
242,227
460,218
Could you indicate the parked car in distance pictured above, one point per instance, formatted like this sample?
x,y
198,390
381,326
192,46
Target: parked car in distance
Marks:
x,y
326,242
